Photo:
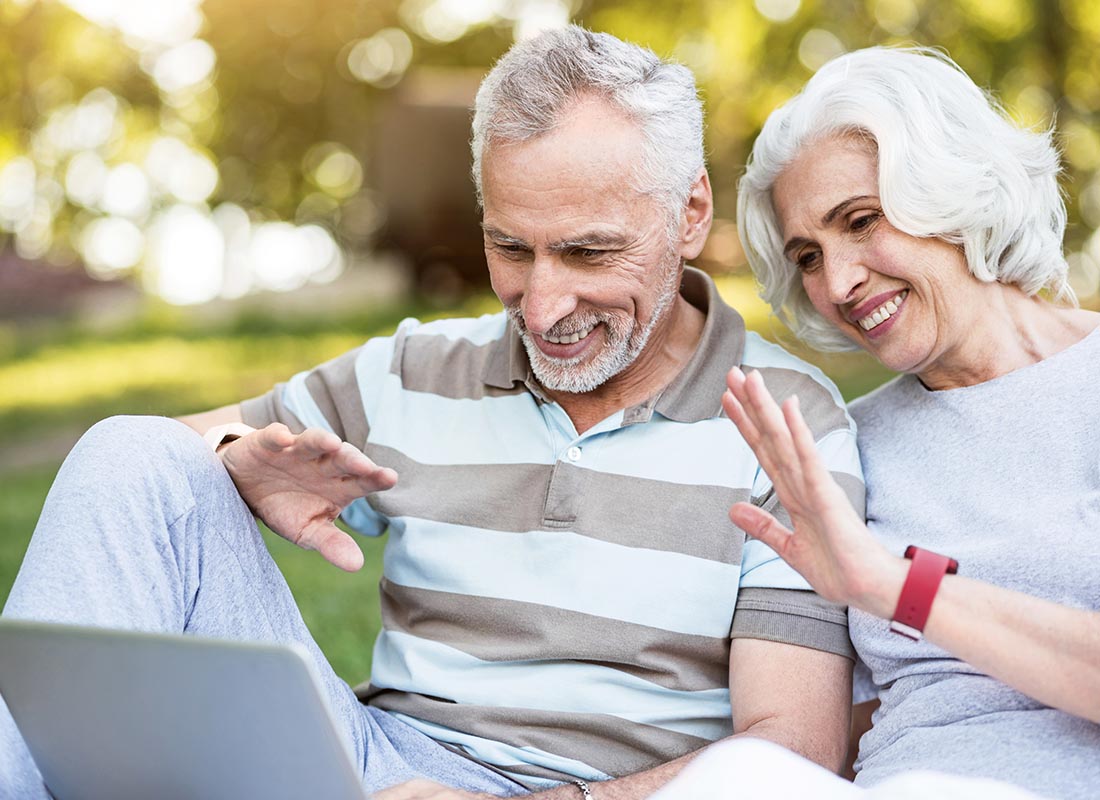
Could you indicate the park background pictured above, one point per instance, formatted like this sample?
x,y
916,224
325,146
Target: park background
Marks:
x,y
198,199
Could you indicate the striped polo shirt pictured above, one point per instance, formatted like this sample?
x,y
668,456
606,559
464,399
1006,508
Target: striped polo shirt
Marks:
x,y
555,604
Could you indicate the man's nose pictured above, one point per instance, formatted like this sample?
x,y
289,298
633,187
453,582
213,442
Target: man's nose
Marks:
x,y
549,296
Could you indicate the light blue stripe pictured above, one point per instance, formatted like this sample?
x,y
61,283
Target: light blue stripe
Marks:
x,y
478,331
709,453
432,429
760,566
838,451
409,663
498,754
297,398
562,569
438,430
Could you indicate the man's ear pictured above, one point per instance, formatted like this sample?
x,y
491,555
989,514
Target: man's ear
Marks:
x,y
698,215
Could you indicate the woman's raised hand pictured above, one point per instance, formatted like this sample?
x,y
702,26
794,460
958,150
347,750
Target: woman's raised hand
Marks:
x,y
829,546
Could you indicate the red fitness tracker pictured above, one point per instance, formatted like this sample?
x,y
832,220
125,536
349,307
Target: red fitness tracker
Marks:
x,y
926,570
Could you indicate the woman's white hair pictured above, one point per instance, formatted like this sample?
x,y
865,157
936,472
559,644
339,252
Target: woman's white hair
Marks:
x,y
951,165
531,87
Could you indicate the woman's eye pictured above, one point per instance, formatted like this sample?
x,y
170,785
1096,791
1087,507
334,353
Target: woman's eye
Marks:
x,y
808,262
862,223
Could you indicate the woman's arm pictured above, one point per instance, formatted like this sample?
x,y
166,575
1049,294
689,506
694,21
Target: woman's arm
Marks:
x,y
1047,651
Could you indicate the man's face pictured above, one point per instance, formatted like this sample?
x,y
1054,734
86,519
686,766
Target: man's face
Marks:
x,y
582,261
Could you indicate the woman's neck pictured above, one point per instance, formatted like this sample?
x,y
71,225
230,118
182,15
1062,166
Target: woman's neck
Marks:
x,y
1015,331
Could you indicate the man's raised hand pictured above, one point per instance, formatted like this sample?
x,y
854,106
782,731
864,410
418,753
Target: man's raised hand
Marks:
x,y
299,483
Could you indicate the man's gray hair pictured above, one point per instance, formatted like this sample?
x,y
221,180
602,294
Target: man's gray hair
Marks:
x,y
536,82
951,165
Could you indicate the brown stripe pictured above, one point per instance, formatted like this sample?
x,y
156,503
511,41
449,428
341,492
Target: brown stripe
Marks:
x,y
335,390
610,744
259,412
452,368
792,617
696,393
819,409
334,387
518,498
509,630
852,487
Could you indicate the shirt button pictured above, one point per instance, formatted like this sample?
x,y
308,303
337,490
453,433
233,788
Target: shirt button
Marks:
x,y
573,453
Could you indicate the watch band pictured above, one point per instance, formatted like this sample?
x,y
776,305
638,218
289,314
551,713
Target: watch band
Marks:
x,y
224,434
585,792
926,571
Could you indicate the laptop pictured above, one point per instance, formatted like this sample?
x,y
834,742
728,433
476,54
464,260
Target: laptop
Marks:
x,y
115,715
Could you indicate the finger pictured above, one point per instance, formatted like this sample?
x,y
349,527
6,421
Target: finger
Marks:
x,y
803,440
736,412
276,437
777,456
317,442
819,480
335,546
759,524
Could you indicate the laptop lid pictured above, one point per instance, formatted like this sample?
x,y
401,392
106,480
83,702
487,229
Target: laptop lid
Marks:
x,y
117,714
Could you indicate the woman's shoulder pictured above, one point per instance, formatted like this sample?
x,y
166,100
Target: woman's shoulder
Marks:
x,y
883,401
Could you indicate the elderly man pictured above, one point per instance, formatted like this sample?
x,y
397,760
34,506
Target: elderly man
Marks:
x,y
566,607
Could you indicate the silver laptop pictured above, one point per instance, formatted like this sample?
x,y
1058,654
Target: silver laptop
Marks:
x,y
119,715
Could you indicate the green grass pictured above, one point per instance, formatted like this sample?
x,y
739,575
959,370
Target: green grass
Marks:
x,y
66,379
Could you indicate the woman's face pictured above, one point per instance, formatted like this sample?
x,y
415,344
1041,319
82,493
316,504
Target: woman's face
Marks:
x,y
911,302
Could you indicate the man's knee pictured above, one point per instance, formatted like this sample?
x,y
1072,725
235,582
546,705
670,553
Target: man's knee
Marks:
x,y
144,456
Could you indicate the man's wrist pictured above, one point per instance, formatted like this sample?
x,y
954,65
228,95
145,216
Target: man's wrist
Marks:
x,y
586,793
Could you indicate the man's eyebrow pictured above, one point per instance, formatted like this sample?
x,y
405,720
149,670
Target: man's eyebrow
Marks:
x,y
501,237
828,219
593,239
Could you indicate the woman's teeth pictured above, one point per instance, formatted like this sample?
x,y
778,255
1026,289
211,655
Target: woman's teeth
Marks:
x,y
883,312
572,338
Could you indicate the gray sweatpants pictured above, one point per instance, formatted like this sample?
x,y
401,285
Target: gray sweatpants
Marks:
x,y
144,530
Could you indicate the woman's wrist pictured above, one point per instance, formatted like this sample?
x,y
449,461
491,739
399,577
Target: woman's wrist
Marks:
x,y
882,587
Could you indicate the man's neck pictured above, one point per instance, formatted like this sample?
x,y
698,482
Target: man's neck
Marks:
x,y
664,356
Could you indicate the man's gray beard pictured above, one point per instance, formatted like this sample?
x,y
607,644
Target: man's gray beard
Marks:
x,y
624,343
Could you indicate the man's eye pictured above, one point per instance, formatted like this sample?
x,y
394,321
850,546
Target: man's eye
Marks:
x,y
588,252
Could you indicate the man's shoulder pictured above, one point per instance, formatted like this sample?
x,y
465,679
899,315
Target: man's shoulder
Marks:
x,y
786,375
459,358
482,330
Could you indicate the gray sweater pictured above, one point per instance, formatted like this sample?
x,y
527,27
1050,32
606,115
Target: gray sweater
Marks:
x,y
1005,477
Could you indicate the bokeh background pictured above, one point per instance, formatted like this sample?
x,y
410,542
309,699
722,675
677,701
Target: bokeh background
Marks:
x,y
198,199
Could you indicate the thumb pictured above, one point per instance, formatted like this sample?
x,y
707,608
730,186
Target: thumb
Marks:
x,y
335,546
759,524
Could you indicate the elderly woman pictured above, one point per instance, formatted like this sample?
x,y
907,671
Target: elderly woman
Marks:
x,y
892,206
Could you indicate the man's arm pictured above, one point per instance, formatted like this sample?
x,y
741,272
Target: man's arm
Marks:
x,y
204,421
797,697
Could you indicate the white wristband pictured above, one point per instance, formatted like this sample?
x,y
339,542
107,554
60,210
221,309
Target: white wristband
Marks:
x,y
224,434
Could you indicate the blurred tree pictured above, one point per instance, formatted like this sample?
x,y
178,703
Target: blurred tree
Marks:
x,y
213,148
